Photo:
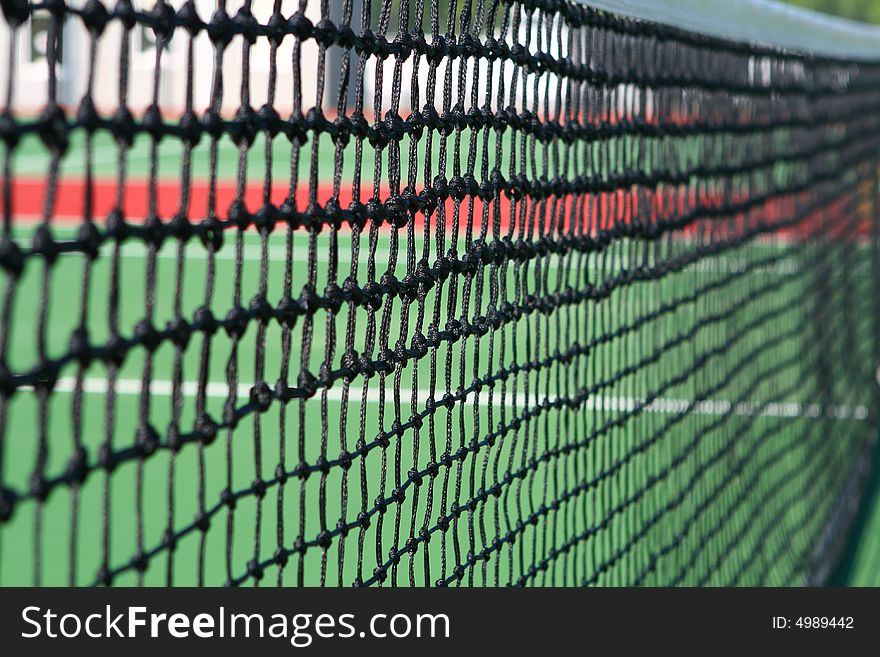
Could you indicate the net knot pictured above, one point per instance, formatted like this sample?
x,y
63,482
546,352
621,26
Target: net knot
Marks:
x,y
287,311
276,28
380,574
436,51
147,335
230,416
315,122
350,364
433,469
260,308
325,33
124,12
255,570
86,115
148,439
379,136
39,487
163,16
152,122
307,383
363,520
394,556
10,133
139,562
490,49
468,45
309,301
409,288
189,19
242,130
190,129
77,467
367,368
204,320
300,26
419,345
16,12
333,214
236,322
173,439
389,285
104,576
169,540
7,504
180,227
123,126
44,244
340,130
357,216
221,29
261,396
381,505
179,332
206,429
11,257
458,188
228,499
153,230
441,187
246,24
107,458
358,126
7,382
79,346
404,43
345,37
325,539
266,218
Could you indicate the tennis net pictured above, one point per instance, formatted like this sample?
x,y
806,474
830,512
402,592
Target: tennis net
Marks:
x,y
434,292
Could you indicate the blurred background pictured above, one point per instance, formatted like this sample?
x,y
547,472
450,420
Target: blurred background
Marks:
x,y
860,10
31,48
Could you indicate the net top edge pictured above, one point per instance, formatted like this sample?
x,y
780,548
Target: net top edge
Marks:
x,y
762,22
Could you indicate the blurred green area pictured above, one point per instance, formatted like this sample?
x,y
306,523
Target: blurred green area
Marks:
x,y
860,10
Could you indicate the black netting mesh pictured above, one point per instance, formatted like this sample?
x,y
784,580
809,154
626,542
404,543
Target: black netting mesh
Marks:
x,y
428,292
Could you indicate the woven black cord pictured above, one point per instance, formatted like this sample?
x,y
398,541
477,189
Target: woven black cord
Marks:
x,y
77,463
608,315
11,277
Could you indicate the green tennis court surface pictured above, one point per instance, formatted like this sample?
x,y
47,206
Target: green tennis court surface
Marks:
x,y
592,302
860,564
783,421
761,296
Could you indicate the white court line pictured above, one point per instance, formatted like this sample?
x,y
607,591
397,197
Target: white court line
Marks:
x,y
220,389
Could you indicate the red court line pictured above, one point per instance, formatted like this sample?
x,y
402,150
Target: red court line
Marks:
x,y
600,211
